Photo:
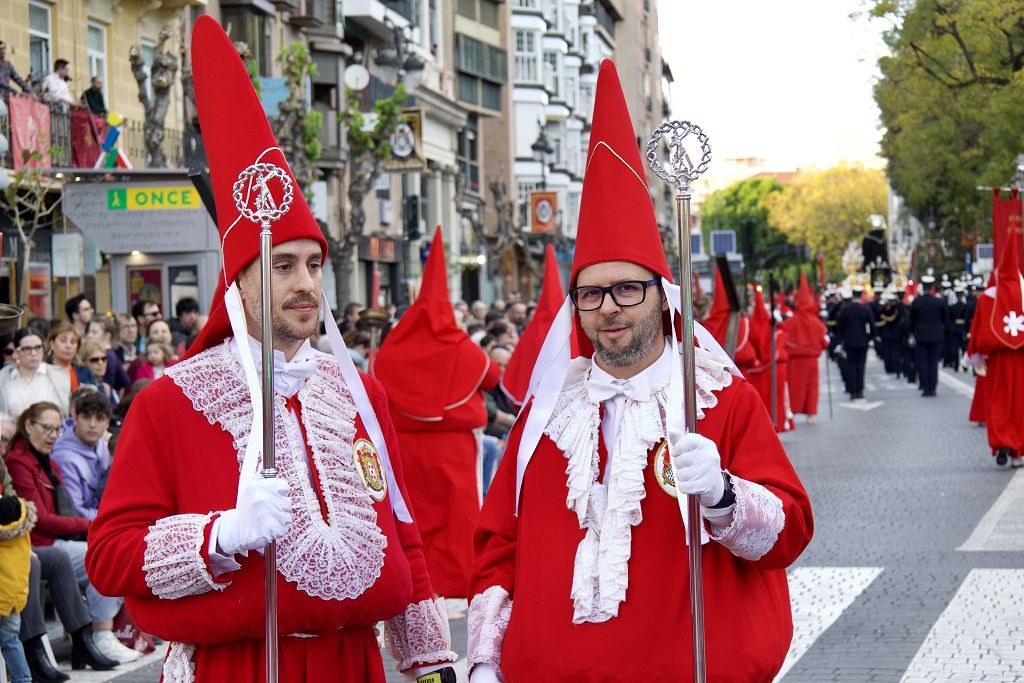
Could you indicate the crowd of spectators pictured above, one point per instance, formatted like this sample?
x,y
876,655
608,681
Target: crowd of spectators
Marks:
x,y
65,388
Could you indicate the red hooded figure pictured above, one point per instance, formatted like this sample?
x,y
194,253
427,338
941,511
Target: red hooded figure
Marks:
x,y
717,323
997,332
434,373
581,570
185,504
806,339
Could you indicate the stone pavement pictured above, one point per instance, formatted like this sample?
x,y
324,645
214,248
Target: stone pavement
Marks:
x,y
914,573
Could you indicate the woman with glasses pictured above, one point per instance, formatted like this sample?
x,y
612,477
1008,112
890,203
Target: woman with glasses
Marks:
x,y
30,380
93,355
60,552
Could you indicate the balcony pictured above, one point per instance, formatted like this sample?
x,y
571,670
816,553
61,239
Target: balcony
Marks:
x,y
370,14
73,136
311,14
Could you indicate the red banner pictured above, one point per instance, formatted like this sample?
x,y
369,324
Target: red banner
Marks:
x,y
1006,215
30,131
86,136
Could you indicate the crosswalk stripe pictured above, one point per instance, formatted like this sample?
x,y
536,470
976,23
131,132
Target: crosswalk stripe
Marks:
x,y
1002,527
959,386
978,636
818,596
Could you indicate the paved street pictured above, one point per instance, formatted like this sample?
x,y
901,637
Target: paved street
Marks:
x,y
915,571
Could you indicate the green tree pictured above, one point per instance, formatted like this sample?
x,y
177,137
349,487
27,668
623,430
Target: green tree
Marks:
x,y
951,98
741,207
298,126
827,209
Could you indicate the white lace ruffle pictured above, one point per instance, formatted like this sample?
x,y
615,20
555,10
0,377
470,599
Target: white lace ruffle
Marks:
x,y
178,665
173,562
757,521
608,512
420,635
333,560
487,621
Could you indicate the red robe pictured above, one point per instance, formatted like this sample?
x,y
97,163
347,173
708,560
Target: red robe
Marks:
x,y
1003,384
177,466
442,459
806,339
524,569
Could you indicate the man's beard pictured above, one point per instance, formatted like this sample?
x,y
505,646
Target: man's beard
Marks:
x,y
286,332
644,333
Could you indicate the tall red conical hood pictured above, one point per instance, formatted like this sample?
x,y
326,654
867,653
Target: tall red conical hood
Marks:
x,y
1007,319
236,135
516,380
761,329
617,220
717,319
805,328
427,363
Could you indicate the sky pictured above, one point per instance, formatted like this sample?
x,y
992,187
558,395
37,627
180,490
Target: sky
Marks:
x,y
788,81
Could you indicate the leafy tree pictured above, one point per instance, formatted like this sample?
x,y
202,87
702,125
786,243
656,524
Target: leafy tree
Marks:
x,y
827,209
951,97
741,207
298,126
162,75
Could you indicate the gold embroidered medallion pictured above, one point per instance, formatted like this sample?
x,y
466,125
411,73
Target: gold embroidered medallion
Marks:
x,y
369,468
663,470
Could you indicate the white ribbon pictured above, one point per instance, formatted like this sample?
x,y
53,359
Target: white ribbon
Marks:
x,y
252,460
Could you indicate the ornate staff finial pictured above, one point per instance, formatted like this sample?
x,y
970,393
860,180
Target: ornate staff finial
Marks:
x,y
680,170
262,208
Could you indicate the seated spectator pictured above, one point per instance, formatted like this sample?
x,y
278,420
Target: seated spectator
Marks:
x,y
30,380
504,335
37,479
160,331
186,322
93,97
159,356
358,344
55,85
16,521
115,376
126,339
7,343
121,411
93,356
81,452
63,343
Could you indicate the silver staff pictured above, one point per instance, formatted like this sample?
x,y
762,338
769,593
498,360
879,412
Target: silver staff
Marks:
x,y
255,201
680,172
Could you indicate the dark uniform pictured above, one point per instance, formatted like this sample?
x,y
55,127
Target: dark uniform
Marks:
x,y
929,318
890,337
956,339
855,326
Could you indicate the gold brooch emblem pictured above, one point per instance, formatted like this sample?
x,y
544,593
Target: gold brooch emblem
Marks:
x,y
663,470
369,469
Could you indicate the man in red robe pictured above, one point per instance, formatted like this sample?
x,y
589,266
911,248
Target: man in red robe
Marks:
x,y
185,504
717,323
760,375
806,339
581,570
997,333
434,375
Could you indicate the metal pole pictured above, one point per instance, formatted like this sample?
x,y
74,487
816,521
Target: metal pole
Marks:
x,y
828,383
771,346
680,172
269,471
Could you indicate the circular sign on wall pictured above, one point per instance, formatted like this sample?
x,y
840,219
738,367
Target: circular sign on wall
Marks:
x,y
403,141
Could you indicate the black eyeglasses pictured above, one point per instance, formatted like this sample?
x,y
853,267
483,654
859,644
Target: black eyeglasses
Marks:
x,y
38,348
49,429
8,351
98,359
628,293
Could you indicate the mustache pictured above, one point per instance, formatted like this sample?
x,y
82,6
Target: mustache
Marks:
x,y
614,323
302,300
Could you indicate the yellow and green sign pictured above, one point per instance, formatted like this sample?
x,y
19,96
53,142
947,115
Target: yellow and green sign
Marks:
x,y
153,198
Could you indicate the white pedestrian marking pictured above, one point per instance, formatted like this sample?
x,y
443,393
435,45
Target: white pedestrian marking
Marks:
x,y
959,386
1002,527
863,407
818,595
978,637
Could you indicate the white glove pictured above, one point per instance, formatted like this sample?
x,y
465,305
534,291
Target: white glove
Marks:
x,y
263,513
483,673
698,466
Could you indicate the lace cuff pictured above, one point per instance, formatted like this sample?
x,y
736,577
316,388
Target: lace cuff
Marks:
x,y
173,560
420,635
489,613
757,520
178,666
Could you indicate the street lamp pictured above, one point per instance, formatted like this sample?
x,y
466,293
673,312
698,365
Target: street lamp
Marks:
x,y
397,53
542,151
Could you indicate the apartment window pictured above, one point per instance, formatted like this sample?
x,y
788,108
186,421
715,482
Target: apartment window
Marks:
x,y
483,11
147,48
490,95
586,99
570,91
526,57
250,27
469,154
467,8
523,191
528,4
39,39
97,51
552,81
605,18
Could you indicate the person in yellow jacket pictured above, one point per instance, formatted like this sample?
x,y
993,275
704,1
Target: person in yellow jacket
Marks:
x,y
17,517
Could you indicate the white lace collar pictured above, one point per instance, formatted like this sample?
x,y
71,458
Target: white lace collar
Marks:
x,y
288,374
333,560
654,378
608,512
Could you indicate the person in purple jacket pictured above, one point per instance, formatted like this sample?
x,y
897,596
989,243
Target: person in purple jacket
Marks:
x,y
82,453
